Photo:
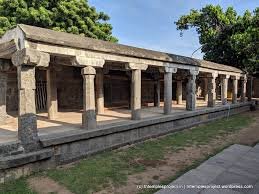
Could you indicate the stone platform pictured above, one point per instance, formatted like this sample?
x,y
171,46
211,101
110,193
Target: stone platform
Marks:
x,y
63,144
69,120
236,165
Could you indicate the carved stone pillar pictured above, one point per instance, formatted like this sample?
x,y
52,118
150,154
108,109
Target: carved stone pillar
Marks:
x,y
26,60
212,90
168,73
136,89
191,91
89,114
179,91
99,91
224,89
243,89
234,89
52,101
3,87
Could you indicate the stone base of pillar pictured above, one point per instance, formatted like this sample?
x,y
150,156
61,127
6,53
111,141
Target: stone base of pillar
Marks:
x,y
27,132
136,115
89,119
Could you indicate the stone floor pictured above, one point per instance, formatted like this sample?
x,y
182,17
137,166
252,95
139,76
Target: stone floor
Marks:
x,y
236,165
71,120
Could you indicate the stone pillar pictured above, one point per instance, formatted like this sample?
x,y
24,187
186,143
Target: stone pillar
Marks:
x,y
26,61
89,115
167,92
243,89
168,72
179,91
136,89
206,90
224,89
52,101
27,120
99,91
3,87
212,90
157,93
250,88
234,89
191,91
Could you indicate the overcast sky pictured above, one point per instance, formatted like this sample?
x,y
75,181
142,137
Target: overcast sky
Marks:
x,y
150,23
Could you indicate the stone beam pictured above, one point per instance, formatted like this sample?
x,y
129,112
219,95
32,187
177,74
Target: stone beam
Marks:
x,y
31,57
82,61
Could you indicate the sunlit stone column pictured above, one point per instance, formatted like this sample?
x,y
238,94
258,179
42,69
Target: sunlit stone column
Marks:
x,y
234,89
224,89
99,91
179,91
89,114
243,89
52,101
136,89
191,91
212,89
168,73
26,61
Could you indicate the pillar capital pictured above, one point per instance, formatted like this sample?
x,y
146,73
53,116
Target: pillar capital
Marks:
x,y
136,66
31,57
193,72
168,68
83,61
88,71
213,75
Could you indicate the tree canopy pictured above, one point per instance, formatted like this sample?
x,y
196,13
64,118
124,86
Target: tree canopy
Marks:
x,y
224,36
72,16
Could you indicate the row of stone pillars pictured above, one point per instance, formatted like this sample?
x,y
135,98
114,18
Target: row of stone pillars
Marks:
x,y
27,60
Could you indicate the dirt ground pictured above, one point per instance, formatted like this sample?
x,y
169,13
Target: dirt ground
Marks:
x,y
174,162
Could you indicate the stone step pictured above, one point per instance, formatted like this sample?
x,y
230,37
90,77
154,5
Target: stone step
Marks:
x,y
11,148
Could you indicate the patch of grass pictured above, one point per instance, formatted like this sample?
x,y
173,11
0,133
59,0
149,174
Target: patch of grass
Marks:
x,y
113,167
19,186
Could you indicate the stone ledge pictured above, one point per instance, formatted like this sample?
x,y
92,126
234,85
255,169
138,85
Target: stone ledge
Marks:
x,y
21,159
77,135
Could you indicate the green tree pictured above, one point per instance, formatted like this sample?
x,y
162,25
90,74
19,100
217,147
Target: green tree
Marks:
x,y
224,36
72,16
